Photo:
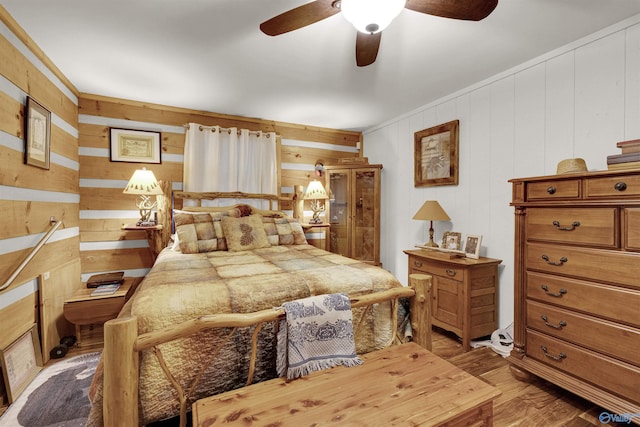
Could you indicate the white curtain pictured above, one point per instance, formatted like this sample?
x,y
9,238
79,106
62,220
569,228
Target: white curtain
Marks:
x,y
218,159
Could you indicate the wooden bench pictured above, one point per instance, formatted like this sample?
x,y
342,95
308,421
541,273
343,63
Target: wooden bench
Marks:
x,y
399,385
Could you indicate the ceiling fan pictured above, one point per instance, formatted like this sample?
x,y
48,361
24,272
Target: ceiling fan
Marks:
x,y
363,14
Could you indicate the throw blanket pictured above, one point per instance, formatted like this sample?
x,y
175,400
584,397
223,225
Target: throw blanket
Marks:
x,y
316,334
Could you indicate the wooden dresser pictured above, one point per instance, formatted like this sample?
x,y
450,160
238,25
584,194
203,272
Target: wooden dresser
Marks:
x,y
464,294
577,284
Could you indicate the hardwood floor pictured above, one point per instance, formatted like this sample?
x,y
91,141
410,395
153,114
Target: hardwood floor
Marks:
x,y
530,403
535,402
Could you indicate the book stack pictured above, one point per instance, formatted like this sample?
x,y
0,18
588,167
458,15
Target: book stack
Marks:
x,y
630,157
105,290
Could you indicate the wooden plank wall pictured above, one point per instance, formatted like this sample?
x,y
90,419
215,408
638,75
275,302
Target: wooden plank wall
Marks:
x,y
104,246
30,196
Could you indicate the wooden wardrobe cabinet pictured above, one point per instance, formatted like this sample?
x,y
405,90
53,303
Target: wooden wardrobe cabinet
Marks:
x,y
577,284
354,211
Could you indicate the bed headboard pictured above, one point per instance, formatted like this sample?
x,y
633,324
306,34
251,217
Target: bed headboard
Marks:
x,y
167,202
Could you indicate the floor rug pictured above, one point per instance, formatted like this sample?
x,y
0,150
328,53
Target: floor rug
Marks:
x,y
56,397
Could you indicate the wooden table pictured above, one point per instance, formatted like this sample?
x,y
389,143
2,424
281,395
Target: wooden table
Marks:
x,y
82,309
400,385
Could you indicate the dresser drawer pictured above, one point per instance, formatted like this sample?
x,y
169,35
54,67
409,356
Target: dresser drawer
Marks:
x,y
613,187
599,335
605,372
596,226
416,265
609,302
631,229
551,190
616,267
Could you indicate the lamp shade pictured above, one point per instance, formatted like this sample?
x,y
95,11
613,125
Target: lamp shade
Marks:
x,y
371,16
431,211
143,182
315,191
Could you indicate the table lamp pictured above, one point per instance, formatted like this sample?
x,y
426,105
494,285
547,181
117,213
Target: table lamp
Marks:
x,y
144,184
431,211
316,192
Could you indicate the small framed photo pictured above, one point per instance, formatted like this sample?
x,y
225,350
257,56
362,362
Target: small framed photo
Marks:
x,y
37,135
21,362
472,246
135,146
436,155
451,240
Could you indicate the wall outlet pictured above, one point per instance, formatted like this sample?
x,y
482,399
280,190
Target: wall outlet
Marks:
x,y
46,275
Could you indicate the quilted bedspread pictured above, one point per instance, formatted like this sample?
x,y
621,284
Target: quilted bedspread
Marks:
x,y
185,286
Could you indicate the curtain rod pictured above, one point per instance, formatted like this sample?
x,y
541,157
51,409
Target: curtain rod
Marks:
x,y
221,129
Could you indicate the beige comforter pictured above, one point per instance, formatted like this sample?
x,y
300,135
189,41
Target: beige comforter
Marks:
x,y
181,287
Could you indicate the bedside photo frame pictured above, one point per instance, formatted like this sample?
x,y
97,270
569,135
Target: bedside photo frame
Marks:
x,y
451,240
37,142
472,246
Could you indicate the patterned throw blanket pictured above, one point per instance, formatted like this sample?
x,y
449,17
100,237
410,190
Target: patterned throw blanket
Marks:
x,y
316,334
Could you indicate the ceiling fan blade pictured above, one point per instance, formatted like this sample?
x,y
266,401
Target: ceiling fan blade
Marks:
x,y
470,10
299,17
367,48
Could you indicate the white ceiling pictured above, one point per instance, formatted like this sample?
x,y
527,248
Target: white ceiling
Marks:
x,y
210,54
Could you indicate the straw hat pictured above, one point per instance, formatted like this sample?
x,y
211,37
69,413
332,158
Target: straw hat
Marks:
x,y
572,166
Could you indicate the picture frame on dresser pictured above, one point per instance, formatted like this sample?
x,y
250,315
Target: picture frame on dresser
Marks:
x,y
436,155
472,246
451,240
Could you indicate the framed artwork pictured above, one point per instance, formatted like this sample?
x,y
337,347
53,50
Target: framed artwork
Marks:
x,y
37,135
436,155
472,246
21,362
451,240
135,146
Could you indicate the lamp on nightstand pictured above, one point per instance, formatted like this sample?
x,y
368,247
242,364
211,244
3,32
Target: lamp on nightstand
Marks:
x,y
431,211
316,192
144,184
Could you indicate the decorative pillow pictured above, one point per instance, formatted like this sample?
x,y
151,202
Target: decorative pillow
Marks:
x,y
290,231
271,231
245,233
199,232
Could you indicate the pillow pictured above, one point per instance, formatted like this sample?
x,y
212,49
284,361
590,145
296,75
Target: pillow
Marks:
x,y
290,231
199,232
271,231
245,233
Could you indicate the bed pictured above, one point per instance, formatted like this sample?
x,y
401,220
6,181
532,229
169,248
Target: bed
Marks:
x,y
204,319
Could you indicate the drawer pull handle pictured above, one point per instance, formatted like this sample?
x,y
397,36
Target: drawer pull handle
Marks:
x,y
562,260
551,190
560,325
451,272
551,356
620,186
558,294
573,226
417,263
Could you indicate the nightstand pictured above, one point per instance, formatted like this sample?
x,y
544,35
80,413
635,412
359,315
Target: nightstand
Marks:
x,y
154,236
464,296
88,313
317,235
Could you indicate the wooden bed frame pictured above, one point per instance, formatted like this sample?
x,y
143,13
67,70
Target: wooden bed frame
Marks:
x,y
123,343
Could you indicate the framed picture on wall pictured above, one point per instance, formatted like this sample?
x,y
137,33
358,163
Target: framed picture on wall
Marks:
x,y
135,146
21,362
472,246
436,155
37,134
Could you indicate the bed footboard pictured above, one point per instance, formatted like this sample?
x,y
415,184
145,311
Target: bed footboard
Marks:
x,y
122,345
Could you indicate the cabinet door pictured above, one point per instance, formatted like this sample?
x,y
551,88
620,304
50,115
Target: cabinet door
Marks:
x,y
366,196
339,205
447,302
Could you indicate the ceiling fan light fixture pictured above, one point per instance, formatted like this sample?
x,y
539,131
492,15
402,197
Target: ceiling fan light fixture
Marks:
x,y
371,16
